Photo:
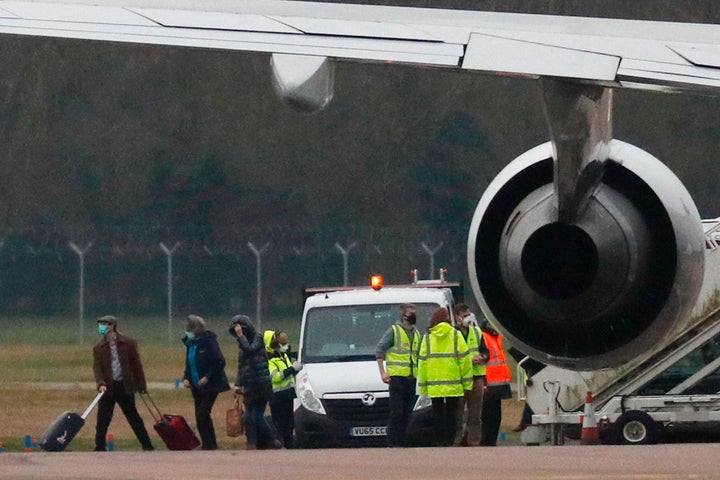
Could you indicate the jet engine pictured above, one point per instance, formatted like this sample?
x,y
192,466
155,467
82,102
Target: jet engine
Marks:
x,y
616,282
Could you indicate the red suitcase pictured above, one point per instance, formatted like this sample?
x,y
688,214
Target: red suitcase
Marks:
x,y
173,429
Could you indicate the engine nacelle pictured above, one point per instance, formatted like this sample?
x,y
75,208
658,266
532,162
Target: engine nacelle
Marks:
x,y
617,283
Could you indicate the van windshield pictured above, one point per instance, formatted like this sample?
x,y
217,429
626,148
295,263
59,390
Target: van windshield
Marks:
x,y
350,333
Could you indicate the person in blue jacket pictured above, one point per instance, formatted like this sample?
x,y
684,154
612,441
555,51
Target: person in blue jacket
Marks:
x,y
204,375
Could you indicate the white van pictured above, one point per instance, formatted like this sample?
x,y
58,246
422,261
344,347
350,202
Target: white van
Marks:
x,y
341,399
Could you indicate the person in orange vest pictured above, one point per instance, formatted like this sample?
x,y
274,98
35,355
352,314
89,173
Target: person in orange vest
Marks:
x,y
497,376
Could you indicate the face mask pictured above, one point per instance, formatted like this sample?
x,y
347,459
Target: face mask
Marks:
x,y
284,348
102,329
469,320
190,335
411,319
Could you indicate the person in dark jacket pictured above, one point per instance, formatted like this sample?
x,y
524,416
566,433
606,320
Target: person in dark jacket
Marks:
x,y
119,373
253,383
204,375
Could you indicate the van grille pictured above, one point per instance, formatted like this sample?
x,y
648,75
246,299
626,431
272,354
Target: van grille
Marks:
x,y
353,410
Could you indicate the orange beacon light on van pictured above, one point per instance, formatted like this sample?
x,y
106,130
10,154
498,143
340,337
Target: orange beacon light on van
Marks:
x,y
376,282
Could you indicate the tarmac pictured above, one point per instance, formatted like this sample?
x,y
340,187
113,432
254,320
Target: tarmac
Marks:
x,y
663,462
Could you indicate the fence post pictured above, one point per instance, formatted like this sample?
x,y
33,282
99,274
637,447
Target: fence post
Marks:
x,y
81,301
345,252
431,253
258,254
169,254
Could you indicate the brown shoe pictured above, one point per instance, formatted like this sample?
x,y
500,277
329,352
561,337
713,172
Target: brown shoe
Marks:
x,y
250,446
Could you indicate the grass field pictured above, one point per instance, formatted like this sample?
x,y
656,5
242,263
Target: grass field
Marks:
x,y
46,371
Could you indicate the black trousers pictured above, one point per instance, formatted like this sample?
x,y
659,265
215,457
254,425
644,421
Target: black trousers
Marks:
x,y
204,401
445,419
402,395
106,406
491,415
281,408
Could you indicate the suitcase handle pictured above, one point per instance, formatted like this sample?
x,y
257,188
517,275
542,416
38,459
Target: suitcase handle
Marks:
x,y
156,409
92,405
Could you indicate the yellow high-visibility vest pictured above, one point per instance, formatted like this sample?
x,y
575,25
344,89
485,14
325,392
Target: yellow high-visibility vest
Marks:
x,y
444,366
277,365
473,343
401,358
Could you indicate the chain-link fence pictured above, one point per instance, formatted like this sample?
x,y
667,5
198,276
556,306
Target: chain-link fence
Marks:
x,y
148,270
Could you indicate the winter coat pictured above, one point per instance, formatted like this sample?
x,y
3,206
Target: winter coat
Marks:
x,y
133,376
252,358
445,368
209,361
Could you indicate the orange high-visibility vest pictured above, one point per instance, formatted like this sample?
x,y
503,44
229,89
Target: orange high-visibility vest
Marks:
x,y
497,371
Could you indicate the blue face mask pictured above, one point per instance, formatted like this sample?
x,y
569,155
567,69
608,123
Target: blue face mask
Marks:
x,y
102,329
190,335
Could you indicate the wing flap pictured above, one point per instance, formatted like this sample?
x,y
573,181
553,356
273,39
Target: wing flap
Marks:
x,y
496,54
635,73
623,47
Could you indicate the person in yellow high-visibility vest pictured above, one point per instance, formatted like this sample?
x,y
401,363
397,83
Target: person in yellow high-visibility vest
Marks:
x,y
466,323
398,349
282,374
444,374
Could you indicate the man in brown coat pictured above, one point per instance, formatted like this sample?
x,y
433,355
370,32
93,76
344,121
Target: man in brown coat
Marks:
x,y
118,373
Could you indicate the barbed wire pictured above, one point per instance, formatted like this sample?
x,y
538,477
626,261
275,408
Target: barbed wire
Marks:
x,y
129,242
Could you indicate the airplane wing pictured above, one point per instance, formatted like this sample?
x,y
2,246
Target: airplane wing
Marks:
x,y
608,52
585,252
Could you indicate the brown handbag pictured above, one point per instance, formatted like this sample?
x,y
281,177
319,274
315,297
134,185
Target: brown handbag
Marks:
x,y
233,419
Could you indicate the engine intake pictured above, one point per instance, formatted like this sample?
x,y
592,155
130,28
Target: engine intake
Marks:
x,y
616,283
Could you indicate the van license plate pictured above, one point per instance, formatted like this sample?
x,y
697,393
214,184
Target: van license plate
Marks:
x,y
368,431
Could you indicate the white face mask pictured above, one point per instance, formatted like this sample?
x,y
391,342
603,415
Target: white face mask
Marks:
x,y
469,320
284,348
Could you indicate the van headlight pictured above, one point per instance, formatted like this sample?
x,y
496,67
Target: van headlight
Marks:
x,y
422,402
307,396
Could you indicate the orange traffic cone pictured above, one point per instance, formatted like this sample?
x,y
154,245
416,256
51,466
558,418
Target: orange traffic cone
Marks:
x,y
589,434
